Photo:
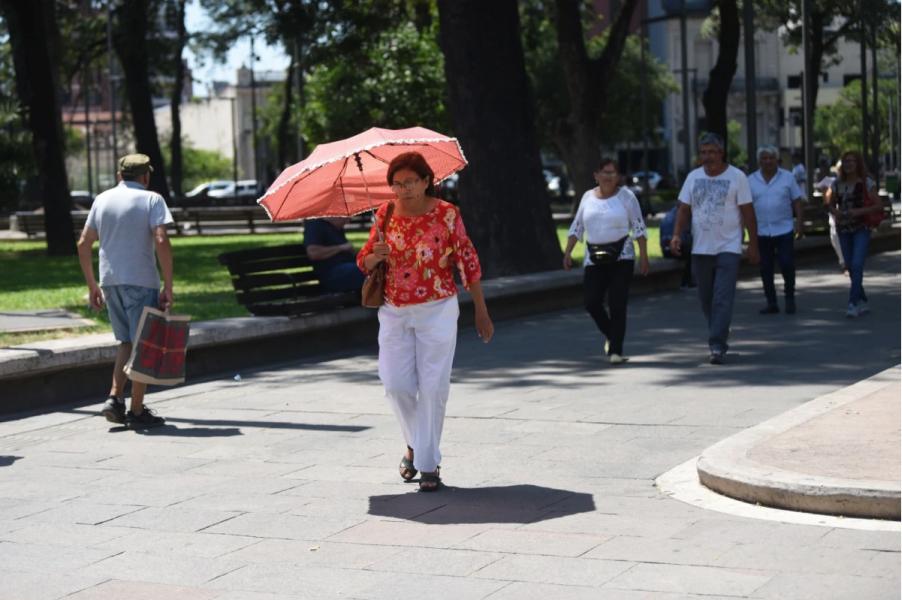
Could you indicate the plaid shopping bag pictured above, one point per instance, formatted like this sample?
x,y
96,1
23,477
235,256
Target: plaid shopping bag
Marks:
x,y
158,355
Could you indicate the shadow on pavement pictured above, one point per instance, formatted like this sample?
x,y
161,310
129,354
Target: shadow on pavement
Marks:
x,y
234,424
508,504
172,430
5,461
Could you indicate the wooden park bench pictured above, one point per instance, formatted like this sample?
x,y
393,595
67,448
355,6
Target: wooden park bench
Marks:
x,y
279,280
31,223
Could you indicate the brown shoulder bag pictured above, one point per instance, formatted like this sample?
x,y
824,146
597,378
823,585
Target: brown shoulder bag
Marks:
x,y
372,294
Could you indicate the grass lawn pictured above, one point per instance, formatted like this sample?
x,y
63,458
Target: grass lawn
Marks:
x,y
31,280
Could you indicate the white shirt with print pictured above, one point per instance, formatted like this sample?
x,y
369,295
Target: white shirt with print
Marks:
x,y
715,202
607,220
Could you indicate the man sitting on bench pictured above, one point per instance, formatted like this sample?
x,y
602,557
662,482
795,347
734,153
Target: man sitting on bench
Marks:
x,y
332,255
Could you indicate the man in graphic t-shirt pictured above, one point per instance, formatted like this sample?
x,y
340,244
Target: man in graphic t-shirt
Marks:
x,y
717,198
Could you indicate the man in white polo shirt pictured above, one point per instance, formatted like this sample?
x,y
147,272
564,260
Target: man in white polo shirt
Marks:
x,y
776,197
130,222
716,197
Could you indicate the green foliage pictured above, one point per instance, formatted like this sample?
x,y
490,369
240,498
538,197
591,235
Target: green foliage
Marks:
x,y
837,128
16,159
620,123
199,165
396,80
736,152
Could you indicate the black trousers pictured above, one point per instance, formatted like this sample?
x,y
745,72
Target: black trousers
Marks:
x,y
611,280
782,247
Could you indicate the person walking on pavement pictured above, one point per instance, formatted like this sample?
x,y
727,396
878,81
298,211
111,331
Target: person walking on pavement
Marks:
x,y
424,242
846,201
130,222
610,218
717,198
776,197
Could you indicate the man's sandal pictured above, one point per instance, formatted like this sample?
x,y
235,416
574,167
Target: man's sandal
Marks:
x,y
406,468
430,482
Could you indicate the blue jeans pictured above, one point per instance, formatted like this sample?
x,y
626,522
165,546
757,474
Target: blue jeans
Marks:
x,y
716,276
854,246
782,246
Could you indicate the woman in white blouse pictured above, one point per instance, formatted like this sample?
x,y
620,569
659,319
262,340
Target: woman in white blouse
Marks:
x,y
610,218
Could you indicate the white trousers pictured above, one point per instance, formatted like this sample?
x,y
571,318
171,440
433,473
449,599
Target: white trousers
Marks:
x,y
834,240
416,349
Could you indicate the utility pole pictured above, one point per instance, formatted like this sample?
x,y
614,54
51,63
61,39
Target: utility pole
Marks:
x,y
684,58
234,146
751,87
807,108
865,121
875,139
87,99
643,38
112,83
253,112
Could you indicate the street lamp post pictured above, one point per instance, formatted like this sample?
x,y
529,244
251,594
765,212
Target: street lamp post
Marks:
x,y
751,116
807,104
684,63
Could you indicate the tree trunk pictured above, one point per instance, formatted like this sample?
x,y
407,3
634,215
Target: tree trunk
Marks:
x,y
34,38
502,192
721,76
578,138
818,22
175,143
131,46
286,150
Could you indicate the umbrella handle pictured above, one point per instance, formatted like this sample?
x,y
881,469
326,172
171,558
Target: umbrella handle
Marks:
x,y
366,186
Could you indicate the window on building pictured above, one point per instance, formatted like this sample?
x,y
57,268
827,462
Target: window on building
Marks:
x,y
794,82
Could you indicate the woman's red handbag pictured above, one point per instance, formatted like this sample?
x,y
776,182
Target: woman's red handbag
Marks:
x,y
873,218
372,294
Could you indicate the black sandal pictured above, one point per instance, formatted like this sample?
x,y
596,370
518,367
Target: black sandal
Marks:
x,y
406,468
430,482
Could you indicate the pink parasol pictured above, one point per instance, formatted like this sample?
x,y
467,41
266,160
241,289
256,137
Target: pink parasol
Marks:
x,y
347,177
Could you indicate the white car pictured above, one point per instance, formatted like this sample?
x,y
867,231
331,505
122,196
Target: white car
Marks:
x,y
244,193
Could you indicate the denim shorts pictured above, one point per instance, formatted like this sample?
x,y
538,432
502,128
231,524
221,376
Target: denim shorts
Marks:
x,y
125,303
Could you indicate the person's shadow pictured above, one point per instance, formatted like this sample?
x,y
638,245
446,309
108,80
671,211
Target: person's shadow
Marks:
x,y
521,503
172,430
6,461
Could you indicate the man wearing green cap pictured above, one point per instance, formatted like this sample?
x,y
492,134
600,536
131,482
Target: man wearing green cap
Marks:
x,y
130,222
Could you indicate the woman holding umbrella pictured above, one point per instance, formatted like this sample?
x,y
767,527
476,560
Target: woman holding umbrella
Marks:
x,y
425,240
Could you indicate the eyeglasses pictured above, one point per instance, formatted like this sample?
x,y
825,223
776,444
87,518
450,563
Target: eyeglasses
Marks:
x,y
406,185
608,173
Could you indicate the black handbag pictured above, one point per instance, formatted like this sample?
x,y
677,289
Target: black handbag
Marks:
x,y
605,254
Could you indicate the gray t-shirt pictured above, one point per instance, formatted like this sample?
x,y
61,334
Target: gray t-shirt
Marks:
x,y
124,218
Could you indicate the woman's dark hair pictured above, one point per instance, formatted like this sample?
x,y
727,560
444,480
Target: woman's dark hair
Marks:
x,y
860,170
605,162
416,163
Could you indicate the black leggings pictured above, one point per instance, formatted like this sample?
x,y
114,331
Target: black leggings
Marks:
x,y
614,280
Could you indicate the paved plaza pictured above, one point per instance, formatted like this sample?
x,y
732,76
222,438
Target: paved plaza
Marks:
x,y
282,484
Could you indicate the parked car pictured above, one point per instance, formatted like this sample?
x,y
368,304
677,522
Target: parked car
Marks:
x,y
81,199
246,192
448,189
654,179
200,194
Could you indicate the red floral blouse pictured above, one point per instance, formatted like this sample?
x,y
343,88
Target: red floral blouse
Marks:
x,y
423,251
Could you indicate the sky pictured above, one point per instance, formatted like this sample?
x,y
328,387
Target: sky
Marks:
x,y
268,57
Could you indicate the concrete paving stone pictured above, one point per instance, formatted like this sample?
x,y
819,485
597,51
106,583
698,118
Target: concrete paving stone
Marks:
x,y
79,511
139,590
44,585
432,561
205,545
329,472
610,525
245,469
313,583
147,465
431,586
710,529
62,534
131,492
243,502
176,518
659,550
243,595
13,509
292,527
545,591
685,579
33,558
315,553
553,569
172,569
262,485
342,489
868,540
406,533
657,507
804,559
549,543
828,587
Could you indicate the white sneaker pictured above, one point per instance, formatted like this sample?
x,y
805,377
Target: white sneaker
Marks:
x,y
852,311
616,359
863,307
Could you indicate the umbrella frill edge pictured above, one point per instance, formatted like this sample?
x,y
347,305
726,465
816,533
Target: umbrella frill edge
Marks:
x,y
348,155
